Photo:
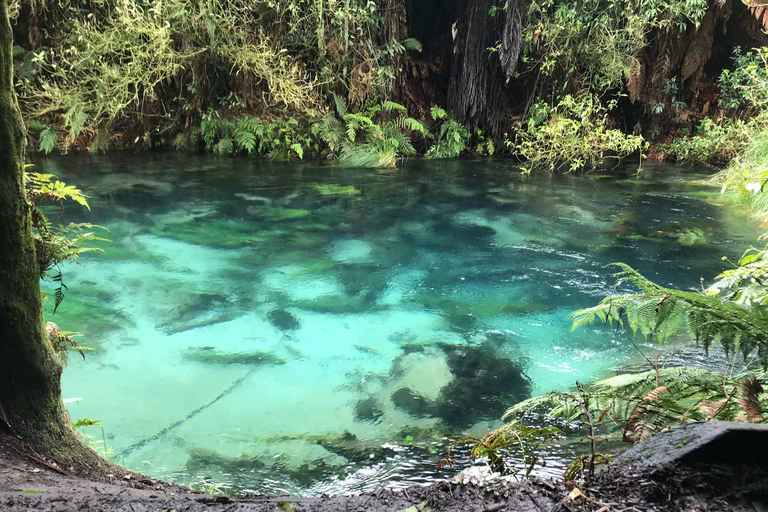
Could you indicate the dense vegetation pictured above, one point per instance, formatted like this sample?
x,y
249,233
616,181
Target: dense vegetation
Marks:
x,y
561,85
555,83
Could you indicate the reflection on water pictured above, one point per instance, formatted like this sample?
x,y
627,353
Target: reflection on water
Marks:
x,y
295,329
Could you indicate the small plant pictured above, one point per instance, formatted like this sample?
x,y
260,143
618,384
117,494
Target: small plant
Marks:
x,y
280,140
574,135
452,137
513,441
208,486
377,136
55,245
97,445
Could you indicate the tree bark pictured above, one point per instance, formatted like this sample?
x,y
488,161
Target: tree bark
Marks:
x,y
31,407
477,94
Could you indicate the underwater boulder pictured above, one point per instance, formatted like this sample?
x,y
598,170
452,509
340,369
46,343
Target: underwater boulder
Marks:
x,y
413,403
368,409
283,320
485,384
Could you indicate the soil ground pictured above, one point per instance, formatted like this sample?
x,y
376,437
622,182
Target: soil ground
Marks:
x,y
31,482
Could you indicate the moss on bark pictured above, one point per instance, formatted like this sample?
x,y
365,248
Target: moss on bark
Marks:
x,y
30,372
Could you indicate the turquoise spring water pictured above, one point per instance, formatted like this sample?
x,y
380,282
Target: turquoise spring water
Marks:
x,y
284,328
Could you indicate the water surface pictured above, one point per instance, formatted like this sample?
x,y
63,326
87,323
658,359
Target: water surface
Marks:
x,y
295,329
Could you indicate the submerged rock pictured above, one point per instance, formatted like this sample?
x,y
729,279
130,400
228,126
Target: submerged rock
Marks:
x,y
413,403
368,409
484,385
283,320
210,355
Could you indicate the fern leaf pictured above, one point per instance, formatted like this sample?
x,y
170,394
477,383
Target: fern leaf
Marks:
x,y
700,48
392,106
636,77
711,409
245,139
341,105
298,149
224,147
48,138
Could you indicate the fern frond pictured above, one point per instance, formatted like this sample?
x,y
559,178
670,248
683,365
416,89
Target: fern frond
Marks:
x,y
48,138
224,147
391,106
245,139
298,149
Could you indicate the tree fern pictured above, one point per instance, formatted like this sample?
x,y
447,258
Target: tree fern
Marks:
x,y
661,312
634,403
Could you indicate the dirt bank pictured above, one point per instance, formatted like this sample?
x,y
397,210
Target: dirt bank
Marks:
x,y
640,483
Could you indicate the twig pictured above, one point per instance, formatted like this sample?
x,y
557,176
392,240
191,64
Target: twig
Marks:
x,y
588,416
39,460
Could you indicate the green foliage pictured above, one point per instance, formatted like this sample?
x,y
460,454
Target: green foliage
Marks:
x,y
573,135
55,245
452,137
280,139
743,87
377,136
641,404
514,440
712,141
662,312
744,91
162,63
590,45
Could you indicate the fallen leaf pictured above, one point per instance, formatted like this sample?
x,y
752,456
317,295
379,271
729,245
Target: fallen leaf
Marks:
x,y
576,495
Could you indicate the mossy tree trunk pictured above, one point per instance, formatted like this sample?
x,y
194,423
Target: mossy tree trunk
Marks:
x,y
30,373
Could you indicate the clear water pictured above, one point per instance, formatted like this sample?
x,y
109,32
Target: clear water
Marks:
x,y
295,329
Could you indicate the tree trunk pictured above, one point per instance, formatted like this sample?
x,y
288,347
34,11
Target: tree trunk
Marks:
x,y
477,94
31,407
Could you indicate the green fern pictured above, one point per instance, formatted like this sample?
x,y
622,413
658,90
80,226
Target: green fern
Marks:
x,y
662,312
390,106
224,147
296,148
48,138
245,139
664,399
100,143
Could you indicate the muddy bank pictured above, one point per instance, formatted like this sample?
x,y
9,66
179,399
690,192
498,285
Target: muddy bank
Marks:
x,y
697,467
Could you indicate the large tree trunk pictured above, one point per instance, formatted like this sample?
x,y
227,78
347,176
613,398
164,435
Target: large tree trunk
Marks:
x,y
477,95
31,407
